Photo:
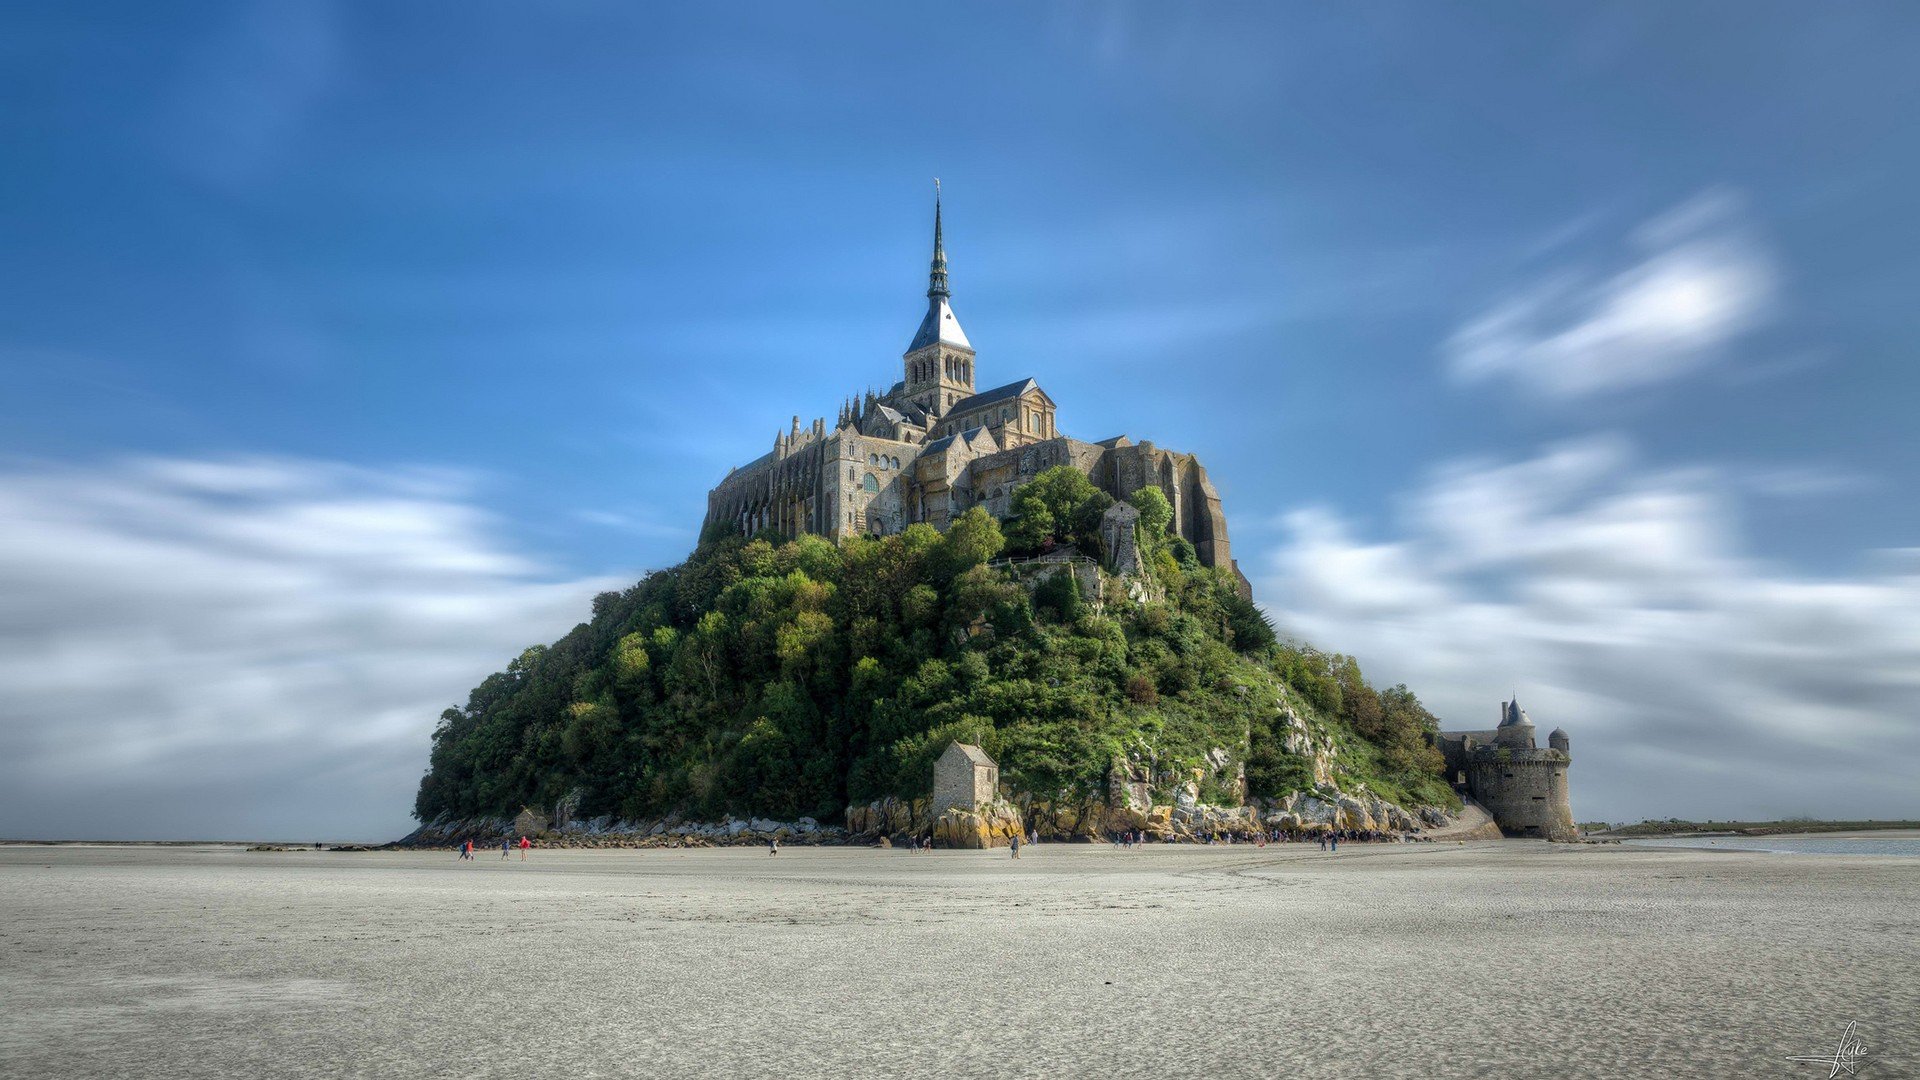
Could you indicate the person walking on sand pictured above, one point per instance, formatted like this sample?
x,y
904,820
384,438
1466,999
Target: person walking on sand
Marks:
x,y
1016,845
773,845
506,847
524,845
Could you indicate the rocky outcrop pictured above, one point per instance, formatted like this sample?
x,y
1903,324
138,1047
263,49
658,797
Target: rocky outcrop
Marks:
x,y
1356,812
890,817
1299,738
990,826
1127,804
606,832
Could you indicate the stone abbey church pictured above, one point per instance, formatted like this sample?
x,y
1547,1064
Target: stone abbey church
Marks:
x,y
935,445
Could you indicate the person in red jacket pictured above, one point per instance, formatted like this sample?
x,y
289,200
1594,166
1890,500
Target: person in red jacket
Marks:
x,y
524,845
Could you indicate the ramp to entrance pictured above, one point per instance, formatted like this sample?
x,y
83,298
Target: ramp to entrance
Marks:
x,y
1473,823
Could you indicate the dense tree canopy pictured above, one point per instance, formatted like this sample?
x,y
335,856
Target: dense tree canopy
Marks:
x,y
790,678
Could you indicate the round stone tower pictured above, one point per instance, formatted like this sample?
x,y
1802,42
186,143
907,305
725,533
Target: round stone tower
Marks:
x,y
1558,741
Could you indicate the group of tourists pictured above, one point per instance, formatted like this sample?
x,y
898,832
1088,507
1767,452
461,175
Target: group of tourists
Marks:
x,y
506,848
1329,840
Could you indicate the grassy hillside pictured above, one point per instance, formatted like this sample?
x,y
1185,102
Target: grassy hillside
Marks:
x,y
783,679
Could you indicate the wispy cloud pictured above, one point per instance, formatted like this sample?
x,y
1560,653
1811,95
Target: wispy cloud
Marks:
x,y
640,524
1624,604
1697,280
245,648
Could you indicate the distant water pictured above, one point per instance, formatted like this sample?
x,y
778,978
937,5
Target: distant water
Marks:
x,y
1793,845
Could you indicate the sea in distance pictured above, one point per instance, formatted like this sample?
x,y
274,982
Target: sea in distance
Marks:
x,y
1791,845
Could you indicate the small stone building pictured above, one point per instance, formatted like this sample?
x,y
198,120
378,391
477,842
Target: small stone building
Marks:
x,y
1117,538
964,777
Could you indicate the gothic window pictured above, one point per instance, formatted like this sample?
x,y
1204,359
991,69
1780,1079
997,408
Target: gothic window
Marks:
x,y
852,475
873,459
871,483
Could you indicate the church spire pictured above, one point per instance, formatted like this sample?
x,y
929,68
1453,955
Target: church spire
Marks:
x,y
937,279
939,327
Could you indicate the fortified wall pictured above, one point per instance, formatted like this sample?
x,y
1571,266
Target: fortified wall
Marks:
x,y
1523,786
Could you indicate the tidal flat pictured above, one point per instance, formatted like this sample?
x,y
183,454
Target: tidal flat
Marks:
x,y
1493,959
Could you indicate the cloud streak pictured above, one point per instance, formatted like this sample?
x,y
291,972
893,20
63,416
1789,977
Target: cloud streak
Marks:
x,y
1696,679
1698,282
245,648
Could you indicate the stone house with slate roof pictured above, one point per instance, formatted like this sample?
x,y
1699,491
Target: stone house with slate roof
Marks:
x,y
965,777
934,446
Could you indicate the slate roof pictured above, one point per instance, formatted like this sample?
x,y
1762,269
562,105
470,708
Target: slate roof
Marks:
x,y
940,326
974,754
988,397
1516,716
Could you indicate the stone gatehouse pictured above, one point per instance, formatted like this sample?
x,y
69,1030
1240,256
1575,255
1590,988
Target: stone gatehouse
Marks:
x,y
1522,785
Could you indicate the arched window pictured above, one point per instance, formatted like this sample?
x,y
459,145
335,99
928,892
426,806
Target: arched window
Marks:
x,y
871,483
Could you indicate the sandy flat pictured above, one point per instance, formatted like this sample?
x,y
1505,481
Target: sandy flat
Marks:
x,y
1505,959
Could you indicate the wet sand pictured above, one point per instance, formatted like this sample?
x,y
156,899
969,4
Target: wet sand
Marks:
x,y
1505,959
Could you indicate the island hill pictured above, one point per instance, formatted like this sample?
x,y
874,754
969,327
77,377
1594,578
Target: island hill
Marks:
x,y
942,569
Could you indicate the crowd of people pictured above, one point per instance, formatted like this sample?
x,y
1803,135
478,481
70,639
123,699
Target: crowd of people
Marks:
x,y
1329,840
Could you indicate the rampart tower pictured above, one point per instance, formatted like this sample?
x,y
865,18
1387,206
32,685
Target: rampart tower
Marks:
x,y
1522,785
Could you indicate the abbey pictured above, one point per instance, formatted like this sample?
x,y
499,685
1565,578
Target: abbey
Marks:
x,y
934,445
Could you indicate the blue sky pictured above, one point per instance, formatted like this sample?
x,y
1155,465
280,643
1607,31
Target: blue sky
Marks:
x,y
1566,352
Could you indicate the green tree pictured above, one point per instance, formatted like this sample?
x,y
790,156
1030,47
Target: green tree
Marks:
x,y
1156,513
1055,505
971,540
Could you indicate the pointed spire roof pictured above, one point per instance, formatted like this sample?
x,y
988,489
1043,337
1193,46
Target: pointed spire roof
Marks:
x,y
937,278
939,326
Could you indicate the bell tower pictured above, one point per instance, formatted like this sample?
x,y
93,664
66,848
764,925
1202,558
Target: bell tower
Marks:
x,y
939,363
